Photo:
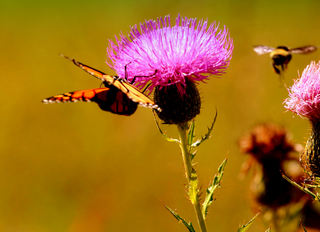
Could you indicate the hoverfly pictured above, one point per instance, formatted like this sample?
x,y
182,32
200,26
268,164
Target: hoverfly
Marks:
x,y
281,55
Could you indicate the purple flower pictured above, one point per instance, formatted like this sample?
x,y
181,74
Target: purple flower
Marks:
x,y
304,95
168,55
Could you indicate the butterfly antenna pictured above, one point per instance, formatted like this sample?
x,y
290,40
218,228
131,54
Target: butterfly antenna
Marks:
x,y
72,60
65,57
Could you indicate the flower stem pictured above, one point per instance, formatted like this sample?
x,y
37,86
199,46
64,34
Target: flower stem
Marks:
x,y
312,153
190,174
184,149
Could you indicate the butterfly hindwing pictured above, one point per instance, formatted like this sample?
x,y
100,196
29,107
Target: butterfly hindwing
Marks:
x,y
117,102
86,95
109,99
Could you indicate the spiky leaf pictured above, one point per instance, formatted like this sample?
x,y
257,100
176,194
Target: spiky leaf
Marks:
x,y
304,229
212,187
191,134
244,228
169,139
305,189
192,155
180,219
207,135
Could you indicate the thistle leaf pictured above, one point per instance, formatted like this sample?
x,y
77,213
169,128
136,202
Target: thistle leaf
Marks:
x,y
169,139
212,187
192,155
191,134
207,135
244,228
304,189
180,219
304,229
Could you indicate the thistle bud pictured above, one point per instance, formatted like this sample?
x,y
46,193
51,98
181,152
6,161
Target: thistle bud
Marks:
x,y
177,108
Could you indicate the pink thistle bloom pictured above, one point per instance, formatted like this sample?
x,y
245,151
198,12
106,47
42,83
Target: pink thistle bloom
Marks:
x,y
304,95
167,55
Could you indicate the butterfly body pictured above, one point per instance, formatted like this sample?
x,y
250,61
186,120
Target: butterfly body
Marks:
x,y
282,55
118,96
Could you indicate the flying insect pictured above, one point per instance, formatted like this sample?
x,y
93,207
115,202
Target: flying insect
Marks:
x,y
281,55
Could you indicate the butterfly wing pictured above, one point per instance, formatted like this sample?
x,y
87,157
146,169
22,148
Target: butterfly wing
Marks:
x,y
304,50
87,95
92,71
117,102
109,99
262,49
131,91
134,94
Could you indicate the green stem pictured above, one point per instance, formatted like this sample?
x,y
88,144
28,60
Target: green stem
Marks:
x,y
312,152
184,149
182,128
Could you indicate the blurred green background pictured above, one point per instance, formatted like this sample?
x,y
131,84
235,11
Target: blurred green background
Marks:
x,y
73,167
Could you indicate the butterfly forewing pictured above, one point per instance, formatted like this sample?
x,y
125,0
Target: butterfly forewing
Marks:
x,y
92,71
134,93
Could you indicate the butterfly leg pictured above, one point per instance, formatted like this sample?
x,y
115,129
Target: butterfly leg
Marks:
x,y
134,78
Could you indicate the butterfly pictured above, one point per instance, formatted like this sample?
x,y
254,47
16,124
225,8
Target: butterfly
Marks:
x,y
118,96
281,55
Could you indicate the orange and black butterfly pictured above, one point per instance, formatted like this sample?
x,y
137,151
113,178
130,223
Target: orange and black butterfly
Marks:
x,y
118,96
281,55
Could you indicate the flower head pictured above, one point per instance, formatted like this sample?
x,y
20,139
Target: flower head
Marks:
x,y
267,141
271,153
304,95
168,55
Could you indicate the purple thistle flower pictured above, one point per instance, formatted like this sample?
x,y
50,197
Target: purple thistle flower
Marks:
x,y
304,100
304,95
187,50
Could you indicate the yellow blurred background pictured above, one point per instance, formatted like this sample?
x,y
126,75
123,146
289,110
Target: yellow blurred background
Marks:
x,y
72,167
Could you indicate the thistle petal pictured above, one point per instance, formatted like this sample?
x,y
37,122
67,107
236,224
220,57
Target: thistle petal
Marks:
x,y
304,95
188,49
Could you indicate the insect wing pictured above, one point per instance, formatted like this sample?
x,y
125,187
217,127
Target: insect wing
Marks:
x,y
131,91
92,71
118,102
304,50
109,99
135,94
88,95
262,49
